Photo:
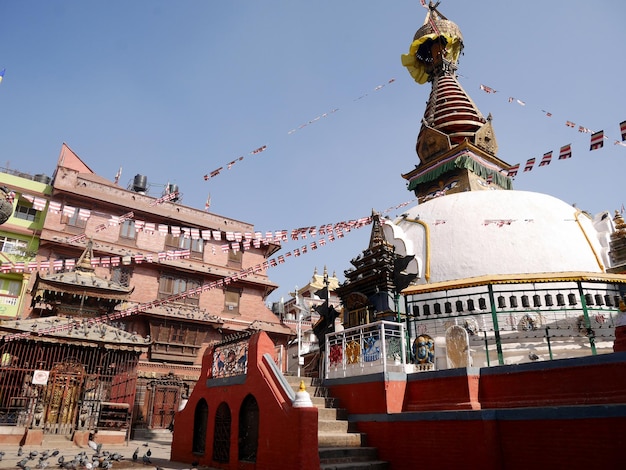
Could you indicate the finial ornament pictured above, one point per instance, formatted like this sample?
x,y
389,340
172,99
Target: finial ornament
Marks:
x,y
437,45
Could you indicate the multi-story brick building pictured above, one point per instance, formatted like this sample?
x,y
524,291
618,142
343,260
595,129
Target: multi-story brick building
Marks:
x,y
186,278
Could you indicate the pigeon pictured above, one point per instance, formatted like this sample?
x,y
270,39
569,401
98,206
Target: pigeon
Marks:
x,y
136,454
146,460
149,453
19,451
1,455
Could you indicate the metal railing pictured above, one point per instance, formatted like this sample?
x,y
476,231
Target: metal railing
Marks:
x,y
368,349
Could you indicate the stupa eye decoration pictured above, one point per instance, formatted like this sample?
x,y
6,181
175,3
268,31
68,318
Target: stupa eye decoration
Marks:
x,y
438,43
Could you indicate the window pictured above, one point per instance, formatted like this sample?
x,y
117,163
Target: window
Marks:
x,y
234,257
25,212
13,246
231,300
195,246
10,288
127,229
75,221
170,285
121,275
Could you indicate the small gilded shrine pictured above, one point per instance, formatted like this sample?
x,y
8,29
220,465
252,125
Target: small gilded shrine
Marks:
x,y
77,293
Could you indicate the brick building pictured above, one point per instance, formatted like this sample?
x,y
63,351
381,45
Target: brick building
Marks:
x,y
186,278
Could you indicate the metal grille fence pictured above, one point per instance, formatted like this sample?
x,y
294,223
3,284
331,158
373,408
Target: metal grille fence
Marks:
x,y
77,379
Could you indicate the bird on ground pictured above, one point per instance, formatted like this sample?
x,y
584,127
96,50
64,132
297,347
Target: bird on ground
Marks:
x,y
146,460
136,454
149,453
19,451
1,455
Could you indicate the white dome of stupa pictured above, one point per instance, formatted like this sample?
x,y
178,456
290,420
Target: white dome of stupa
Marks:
x,y
477,233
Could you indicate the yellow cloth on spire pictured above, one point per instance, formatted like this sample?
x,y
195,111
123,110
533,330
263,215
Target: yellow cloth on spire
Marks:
x,y
417,68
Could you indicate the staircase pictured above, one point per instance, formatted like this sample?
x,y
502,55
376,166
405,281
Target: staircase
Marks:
x,y
341,447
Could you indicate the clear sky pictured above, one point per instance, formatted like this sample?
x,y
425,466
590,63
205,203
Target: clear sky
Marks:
x,y
176,89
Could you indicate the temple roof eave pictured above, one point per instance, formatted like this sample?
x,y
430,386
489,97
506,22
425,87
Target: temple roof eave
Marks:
x,y
465,147
522,278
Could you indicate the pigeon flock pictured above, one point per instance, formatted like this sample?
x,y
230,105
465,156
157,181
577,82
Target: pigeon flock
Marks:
x,y
96,459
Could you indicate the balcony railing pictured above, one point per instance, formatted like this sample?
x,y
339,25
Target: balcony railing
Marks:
x,y
368,349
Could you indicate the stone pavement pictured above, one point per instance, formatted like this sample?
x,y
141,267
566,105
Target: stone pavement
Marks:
x,y
159,458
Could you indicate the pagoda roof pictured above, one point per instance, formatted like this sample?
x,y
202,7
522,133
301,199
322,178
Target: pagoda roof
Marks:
x,y
92,332
81,283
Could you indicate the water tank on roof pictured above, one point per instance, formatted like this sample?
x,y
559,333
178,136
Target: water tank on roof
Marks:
x,y
172,188
140,183
41,178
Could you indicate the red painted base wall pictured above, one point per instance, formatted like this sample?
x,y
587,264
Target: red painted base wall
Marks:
x,y
560,414
287,435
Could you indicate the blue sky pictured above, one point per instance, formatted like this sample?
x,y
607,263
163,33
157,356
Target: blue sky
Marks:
x,y
176,89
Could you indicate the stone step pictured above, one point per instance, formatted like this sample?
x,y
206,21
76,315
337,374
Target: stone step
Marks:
x,y
332,426
370,465
325,414
345,458
347,454
340,439
56,440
